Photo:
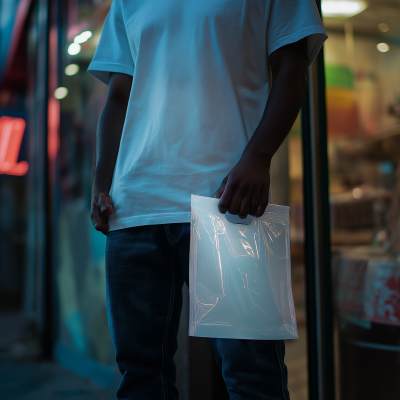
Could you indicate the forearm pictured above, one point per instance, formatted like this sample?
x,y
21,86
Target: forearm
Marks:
x,y
108,137
283,105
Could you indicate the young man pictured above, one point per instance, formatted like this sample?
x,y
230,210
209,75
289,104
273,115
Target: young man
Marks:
x,y
186,109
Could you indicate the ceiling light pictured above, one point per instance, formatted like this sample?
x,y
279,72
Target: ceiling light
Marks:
x,y
74,49
383,27
71,69
382,47
60,93
83,37
342,9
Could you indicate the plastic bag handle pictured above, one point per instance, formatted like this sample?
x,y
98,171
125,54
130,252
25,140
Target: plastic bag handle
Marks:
x,y
235,219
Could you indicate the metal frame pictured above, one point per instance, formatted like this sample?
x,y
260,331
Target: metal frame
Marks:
x,y
44,194
321,379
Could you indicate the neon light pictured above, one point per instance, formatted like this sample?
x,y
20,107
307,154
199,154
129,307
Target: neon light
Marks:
x,y
11,132
53,122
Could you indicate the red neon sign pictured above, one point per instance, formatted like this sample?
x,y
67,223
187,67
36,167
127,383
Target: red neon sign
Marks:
x,y
11,132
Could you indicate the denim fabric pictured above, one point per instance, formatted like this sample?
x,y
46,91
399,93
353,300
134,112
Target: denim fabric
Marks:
x,y
146,267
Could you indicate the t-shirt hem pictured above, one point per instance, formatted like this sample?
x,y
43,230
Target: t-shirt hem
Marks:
x,y
152,219
295,37
102,70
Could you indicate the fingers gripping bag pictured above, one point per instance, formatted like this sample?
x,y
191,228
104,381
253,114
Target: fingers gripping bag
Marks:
x,y
239,277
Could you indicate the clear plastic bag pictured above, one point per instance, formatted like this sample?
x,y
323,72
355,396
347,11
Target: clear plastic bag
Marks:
x,y
239,279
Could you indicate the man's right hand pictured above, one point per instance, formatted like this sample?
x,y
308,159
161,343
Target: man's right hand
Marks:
x,y
102,208
108,138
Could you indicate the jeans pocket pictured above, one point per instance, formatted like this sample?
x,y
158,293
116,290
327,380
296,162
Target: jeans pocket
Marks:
x,y
173,232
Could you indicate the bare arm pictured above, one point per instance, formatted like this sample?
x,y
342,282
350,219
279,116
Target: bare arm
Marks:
x,y
245,189
108,137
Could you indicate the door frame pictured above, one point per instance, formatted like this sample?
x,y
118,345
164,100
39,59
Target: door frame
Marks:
x,y
317,246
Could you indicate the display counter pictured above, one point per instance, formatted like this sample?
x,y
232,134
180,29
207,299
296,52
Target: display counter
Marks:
x,y
367,306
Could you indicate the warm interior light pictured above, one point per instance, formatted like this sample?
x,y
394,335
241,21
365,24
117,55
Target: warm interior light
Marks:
x,y
11,132
383,27
74,48
60,93
383,47
71,69
342,9
357,193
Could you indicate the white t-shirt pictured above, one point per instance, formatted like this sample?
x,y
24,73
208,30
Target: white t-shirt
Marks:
x,y
200,85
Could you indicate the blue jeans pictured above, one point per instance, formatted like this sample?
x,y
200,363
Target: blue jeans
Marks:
x,y
146,267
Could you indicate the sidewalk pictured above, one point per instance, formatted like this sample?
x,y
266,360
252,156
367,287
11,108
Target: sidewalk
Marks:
x,y
38,380
27,378
296,362
45,381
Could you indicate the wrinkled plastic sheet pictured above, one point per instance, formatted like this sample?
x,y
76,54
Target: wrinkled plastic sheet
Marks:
x,y
239,279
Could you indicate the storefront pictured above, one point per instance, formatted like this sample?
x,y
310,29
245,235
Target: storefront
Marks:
x,y
338,171
363,87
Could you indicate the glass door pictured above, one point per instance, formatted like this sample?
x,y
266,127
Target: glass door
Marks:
x,y
362,58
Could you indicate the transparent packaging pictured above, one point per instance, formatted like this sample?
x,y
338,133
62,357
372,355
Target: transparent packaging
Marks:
x,y
239,279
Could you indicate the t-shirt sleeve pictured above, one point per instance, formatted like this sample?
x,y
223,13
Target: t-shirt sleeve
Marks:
x,y
292,20
113,53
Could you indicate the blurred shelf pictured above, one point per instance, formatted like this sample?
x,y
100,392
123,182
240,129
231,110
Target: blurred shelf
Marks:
x,y
346,237
381,145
